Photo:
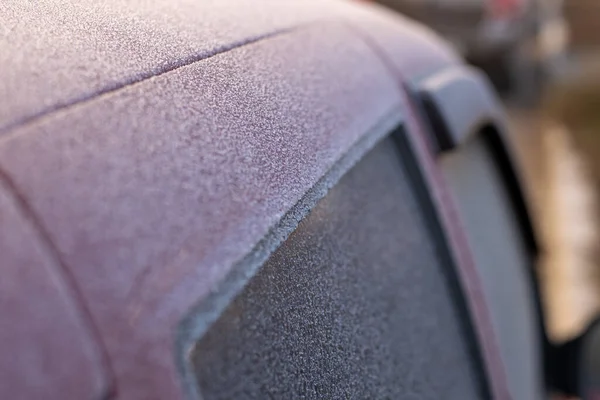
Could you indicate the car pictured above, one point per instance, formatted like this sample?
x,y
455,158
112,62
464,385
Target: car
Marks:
x,y
254,199
519,43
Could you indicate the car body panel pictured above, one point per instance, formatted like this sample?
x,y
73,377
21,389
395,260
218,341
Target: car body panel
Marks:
x,y
53,54
154,181
47,340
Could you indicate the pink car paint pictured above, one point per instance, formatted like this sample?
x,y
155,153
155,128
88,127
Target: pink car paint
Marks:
x,y
142,166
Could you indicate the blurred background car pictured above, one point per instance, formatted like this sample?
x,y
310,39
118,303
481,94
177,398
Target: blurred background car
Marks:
x,y
516,42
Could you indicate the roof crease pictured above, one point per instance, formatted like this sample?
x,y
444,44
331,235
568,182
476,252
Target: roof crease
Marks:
x,y
6,131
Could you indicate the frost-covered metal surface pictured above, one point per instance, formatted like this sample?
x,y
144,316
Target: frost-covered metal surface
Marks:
x,y
54,53
47,346
412,50
151,193
157,143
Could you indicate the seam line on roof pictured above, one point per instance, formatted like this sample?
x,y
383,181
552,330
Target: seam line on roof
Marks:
x,y
31,119
108,391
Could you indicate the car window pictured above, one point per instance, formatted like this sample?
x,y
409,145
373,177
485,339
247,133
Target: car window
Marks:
x,y
358,302
502,259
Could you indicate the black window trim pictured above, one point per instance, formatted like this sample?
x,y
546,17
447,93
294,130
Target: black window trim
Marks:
x,y
432,219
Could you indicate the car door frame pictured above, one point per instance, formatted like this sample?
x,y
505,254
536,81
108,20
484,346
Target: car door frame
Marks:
x,y
453,106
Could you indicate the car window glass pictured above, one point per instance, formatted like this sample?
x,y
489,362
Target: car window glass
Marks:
x,y
354,304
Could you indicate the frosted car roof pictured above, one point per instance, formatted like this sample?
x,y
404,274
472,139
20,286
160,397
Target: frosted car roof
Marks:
x,y
53,54
152,192
155,144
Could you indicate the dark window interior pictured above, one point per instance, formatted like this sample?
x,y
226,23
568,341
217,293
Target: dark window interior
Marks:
x,y
356,303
